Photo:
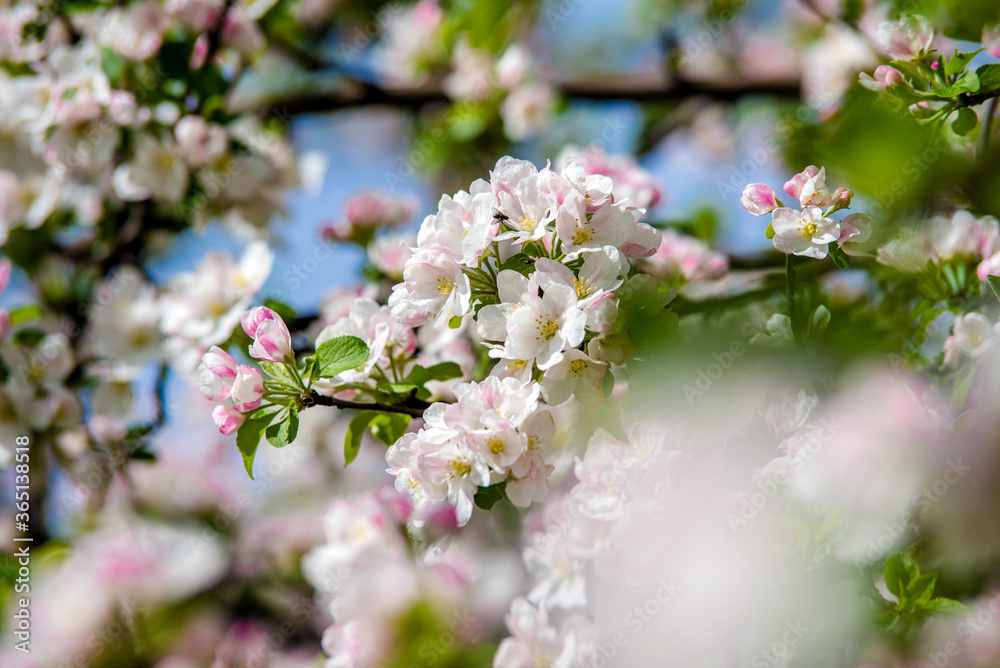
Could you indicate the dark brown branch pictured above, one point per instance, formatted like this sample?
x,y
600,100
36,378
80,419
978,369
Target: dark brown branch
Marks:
x,y
412,406
972,100
361,94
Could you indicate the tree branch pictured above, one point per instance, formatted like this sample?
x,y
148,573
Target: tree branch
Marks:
x,y
412,406
362,94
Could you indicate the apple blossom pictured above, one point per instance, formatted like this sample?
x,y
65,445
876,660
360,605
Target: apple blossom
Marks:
x,y
271,340
804,232
909,38
247,391
972,335
632,185
685,257
545,326
534,642
227,418
858,234
216,374
527,109
575,375
759,199
989,267
887,76
199,142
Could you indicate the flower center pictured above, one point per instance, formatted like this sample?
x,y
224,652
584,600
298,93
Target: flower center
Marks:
x,y
527,223
549,328
582,286
809,229
515,366
583,235
460,467
496,445
444,286
577,367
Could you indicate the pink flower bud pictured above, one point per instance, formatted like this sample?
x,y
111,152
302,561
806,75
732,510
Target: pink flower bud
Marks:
x,y
794,186
216,374
759,199
272,342
5,268
377,210
248,389
991,40
842,197
200,52
227,419
989,267
888,76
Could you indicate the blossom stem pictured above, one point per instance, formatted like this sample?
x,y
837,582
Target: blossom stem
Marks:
x,y
790,292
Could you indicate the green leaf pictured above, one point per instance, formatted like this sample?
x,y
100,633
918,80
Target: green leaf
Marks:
x,y
284,311
355,430
455,322
989,77
921,588
994,282
959,60
769,232
280,372
112,64
142,454
388,427
487,497
967,83
945,605
900,569
284,432
521,263
444,371
965,122
139,431
840,258
25,313
340,354
251,431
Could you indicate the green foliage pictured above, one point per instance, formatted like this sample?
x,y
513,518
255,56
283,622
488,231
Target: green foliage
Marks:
x,y
251,431
355,430
487,497
840,258
994,282
965,122
284,431
340,354
989,77
388,427
914,592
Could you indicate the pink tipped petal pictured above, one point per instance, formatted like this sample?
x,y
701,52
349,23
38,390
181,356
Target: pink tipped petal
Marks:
x,y
227,419
759,199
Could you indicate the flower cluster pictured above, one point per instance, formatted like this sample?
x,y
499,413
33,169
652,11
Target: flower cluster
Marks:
x,y
366,212
958,237
534,257
493,433
810,231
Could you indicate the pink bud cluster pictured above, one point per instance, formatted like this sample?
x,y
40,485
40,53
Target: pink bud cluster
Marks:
x,y
239,386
